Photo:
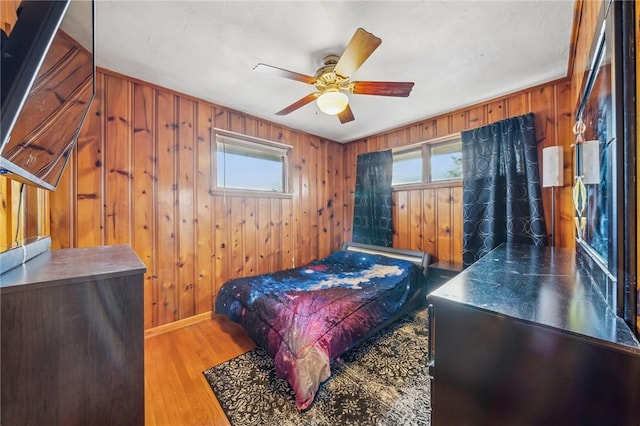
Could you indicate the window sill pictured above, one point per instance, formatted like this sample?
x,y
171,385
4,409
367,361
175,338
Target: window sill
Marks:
x,y
431,185
231,192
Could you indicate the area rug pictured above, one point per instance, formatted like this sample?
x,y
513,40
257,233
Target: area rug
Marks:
x,y
384,381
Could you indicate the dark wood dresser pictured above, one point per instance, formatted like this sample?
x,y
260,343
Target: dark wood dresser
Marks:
x,y
523,337
72,339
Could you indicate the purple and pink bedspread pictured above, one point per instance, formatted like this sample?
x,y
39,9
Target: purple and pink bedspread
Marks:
x,y
307,316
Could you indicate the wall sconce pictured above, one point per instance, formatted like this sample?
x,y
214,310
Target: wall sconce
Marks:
x,y
552,159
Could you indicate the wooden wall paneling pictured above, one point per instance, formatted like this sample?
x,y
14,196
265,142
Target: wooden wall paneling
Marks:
x,y
203,203
303,230
324,201
313,163
429,224
395,217
330,208
337,152
221,215
414,133
63,209
476,117
402,219
6,218
186,172
167,247
251,243
118,198
17,210
287,228
236,122
236,264
565,231
415,203
543,106
443,126
495,111
31,217
265,230
90,168
458,122
456,224
443,217
389,140
145,165
429,129
279,238
517,104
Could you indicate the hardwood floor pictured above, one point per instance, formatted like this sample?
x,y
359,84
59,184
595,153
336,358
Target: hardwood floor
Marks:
x,y
176,391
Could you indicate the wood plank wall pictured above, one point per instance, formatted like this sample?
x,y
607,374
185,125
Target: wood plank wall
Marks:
x,y
430,218
141,175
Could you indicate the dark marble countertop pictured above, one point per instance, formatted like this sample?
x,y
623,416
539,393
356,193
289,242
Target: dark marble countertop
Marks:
x,y
541,285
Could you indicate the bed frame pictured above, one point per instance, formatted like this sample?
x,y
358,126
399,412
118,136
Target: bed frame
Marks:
x,y
420,258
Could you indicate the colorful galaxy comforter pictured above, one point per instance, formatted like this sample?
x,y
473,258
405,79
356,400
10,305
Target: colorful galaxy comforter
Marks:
x,y
306,317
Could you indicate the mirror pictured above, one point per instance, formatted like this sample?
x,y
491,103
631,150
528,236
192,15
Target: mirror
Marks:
x,y
606,245
597,148
596,112
48,85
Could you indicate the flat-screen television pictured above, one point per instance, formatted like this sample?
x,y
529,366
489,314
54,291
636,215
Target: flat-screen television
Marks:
x,y
48,83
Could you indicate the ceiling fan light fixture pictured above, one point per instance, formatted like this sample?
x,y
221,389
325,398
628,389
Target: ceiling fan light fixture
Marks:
x,y
332,102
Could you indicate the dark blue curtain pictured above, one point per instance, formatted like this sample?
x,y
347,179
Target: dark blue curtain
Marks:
x,y
501,185
372,211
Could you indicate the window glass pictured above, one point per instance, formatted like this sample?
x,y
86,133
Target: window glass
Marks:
x,y
242,164
407,167
446,161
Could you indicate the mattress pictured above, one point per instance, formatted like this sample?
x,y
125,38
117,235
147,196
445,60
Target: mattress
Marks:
x,y
307,316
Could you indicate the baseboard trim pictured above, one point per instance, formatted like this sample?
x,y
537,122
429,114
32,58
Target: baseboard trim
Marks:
x,y
165,328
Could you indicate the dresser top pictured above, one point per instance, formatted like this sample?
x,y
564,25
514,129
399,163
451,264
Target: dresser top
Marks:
x,y
540,285
64,266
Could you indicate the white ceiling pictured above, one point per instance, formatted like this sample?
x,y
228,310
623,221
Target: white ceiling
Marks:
x,y
457,53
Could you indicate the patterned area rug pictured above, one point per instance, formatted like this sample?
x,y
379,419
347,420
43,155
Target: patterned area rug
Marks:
x,y
384,381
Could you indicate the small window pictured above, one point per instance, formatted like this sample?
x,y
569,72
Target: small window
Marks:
x,y
407,167
428,162
446,161
250,164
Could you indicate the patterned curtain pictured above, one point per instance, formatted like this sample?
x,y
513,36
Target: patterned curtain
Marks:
x,y
372,211
501,185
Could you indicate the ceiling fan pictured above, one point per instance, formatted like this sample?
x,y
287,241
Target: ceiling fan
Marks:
x,y
332,79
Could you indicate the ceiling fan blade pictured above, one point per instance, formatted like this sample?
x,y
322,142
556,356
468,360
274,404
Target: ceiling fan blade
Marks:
x,y
279,72
360,47
346,115
300,103
381,88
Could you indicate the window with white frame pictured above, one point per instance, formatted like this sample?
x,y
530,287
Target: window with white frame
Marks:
x,y
428,162
248,163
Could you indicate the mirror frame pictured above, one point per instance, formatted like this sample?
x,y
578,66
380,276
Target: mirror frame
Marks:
x,y
615,276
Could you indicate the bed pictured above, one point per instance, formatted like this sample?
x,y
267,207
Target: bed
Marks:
x,y
307,316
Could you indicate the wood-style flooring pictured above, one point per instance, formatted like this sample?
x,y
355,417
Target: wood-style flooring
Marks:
x,y
176,391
